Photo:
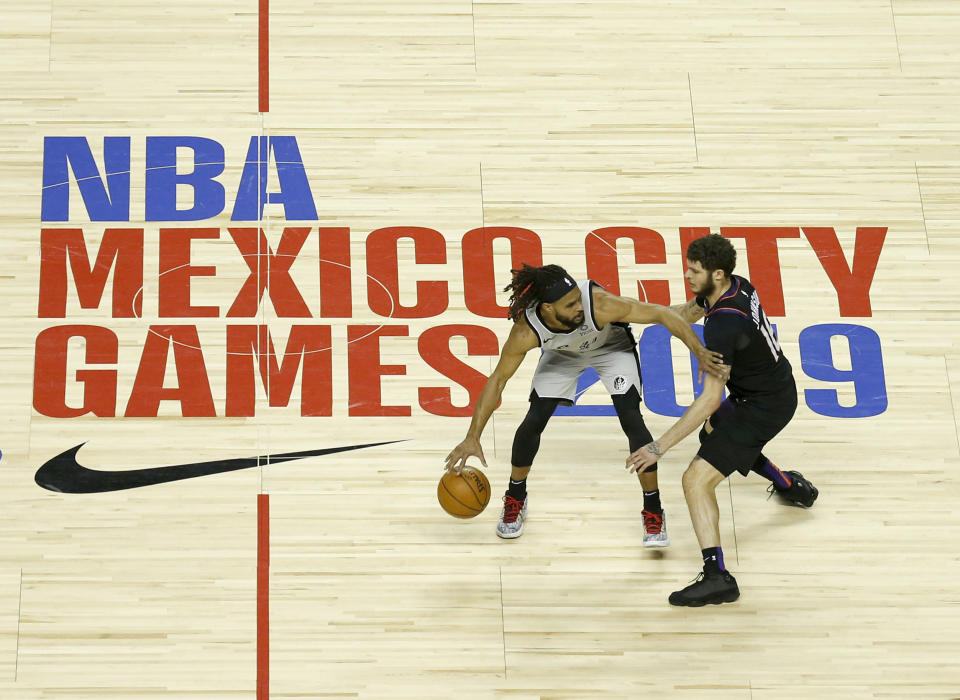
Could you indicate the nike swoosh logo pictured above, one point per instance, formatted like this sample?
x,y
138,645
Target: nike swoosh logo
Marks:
x,y
64,475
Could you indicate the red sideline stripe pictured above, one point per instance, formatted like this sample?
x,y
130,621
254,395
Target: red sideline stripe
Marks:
x,y
263,597
263,59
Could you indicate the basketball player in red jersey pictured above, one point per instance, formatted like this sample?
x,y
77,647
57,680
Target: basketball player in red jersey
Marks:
x,y
577,325
763,399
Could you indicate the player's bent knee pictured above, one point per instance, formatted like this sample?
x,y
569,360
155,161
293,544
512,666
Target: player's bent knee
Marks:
x,y
700,476
627,407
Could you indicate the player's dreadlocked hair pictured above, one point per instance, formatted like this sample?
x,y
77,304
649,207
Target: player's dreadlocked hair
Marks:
x,y
529,286
714,252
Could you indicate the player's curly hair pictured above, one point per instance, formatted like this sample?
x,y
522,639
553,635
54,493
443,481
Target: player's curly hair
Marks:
x,y
528,285
714,252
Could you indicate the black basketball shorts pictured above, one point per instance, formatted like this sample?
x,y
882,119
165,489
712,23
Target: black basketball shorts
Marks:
x,y
741,428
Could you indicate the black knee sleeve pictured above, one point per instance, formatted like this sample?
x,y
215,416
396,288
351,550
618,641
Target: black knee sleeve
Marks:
x,y
526,441
631,420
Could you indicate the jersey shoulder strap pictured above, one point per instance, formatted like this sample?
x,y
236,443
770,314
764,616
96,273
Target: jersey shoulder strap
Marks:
x,y
586,293
536,325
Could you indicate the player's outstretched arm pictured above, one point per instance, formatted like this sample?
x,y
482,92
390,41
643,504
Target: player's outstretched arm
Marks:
x,y
613,309
520,341
698,412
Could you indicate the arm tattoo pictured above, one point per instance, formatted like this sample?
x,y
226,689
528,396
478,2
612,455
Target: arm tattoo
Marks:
x,y
654,449
694,310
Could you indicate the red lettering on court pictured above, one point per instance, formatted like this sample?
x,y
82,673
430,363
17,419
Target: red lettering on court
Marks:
x,y
122,246
480,283
763,259
251,346
383,290
50,372
193,388
852,282
336,297
648,247
434,346
269,271
364,370
173,286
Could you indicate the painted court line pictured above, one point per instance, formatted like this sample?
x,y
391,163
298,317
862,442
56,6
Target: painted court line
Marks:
x,y
263,500
263,57
263,596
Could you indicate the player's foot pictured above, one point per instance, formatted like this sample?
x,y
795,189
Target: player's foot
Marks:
x,y
655,530
800,492
511,517
713,587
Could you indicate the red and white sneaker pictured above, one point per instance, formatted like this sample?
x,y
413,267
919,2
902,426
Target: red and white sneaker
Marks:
x,y
511,517
655,530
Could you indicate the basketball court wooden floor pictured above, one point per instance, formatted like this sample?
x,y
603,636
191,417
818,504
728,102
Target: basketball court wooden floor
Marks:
x,y
822,137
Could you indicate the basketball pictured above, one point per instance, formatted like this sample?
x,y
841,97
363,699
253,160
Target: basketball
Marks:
x,y
464,495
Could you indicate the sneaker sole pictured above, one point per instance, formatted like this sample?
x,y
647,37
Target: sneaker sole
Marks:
x,y
801,504
715,600
657,544
509,536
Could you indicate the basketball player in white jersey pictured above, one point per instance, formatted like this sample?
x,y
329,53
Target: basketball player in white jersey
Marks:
x,y
577,325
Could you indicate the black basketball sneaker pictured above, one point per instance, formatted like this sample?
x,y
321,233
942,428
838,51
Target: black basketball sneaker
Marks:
x,y
800,492
713,587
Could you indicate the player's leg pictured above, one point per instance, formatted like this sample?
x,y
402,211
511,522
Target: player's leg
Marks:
x,y
619,371
779,480
700,482
554,380
627,407
715,584
726,441
790,485
526,441
526,444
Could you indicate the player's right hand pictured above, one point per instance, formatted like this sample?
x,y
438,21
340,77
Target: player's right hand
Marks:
x,y
457,459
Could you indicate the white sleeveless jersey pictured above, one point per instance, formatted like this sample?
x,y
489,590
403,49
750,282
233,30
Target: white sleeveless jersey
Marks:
x,y
587,339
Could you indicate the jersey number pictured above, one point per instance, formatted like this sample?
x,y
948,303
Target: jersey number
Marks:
x,y
769,335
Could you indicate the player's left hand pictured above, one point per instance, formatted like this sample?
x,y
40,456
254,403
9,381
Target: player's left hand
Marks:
x,y
644,458
712,362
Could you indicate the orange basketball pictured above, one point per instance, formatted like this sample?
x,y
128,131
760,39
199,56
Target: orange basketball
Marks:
x,y
464,495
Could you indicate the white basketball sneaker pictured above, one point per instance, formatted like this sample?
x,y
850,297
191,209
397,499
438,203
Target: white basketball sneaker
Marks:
x,y
511,517
655,530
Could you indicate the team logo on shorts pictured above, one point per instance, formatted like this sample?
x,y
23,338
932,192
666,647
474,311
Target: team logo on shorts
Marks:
x,y
619,382
585,344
